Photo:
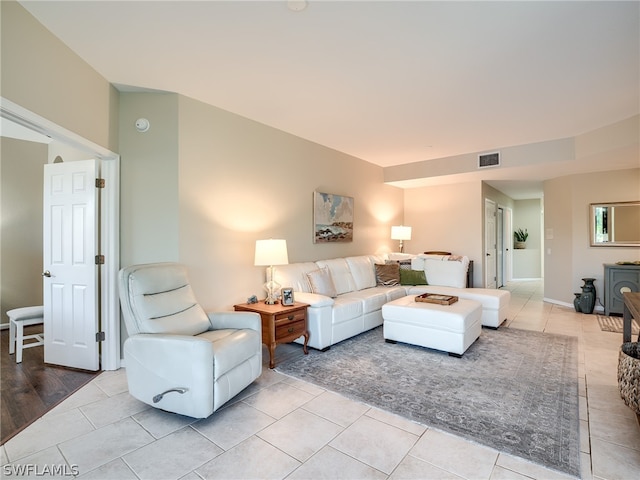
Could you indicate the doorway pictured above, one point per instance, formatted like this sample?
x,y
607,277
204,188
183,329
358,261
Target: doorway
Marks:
x,y
490,246
500,247
109,214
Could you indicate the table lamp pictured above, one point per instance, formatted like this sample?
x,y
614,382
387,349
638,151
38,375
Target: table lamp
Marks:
x,y
269,253
402,233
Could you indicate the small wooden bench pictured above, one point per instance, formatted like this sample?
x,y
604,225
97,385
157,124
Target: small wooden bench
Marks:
x,y
18,319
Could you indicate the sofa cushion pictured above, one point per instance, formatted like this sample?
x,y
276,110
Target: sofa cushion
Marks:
x,y
340,273
322,283
393,293
372,298
446,270
388,274
346,308
362,271
294,275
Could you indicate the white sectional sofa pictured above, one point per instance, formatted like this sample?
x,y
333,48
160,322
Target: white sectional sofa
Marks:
x,y
355,303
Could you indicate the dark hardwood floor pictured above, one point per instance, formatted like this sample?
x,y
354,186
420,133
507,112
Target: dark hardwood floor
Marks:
x,y
31,388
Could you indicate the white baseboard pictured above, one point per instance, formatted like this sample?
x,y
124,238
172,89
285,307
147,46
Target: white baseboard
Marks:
x,y
597,308
557,302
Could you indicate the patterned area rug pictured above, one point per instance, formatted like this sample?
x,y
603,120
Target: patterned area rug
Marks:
x,y
513,390
614,324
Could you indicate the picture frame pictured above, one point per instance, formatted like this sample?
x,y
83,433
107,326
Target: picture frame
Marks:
x,y
287,296
332,218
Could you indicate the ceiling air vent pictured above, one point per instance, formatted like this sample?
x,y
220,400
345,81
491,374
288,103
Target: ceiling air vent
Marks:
x,y
489,160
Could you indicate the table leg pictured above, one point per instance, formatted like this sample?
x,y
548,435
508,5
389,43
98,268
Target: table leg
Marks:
x,y
306,340
626,327
272,355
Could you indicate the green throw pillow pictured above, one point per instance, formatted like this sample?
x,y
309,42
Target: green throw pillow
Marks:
x,y
412,277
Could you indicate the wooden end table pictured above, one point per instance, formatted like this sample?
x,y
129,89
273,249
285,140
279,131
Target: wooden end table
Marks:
x,y
280,324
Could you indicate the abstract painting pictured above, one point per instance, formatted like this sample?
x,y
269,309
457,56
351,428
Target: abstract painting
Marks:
x,y
332,218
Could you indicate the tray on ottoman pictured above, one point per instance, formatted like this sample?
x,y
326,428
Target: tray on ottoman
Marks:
x,y
436,298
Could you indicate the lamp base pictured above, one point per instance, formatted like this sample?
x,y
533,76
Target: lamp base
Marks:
x,y
272,289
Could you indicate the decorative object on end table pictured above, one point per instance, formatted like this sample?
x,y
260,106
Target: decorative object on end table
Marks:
x,y
269,253
286,296
521,238
332,218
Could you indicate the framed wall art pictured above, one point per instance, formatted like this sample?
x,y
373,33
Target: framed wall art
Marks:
x,y
332,218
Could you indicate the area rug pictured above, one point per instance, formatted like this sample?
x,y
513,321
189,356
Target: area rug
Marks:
x,y
513,390
614,324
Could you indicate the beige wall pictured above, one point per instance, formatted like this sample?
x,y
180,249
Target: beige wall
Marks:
x,y
449,218
149,200
21,233
202,185
241,181
43,75
566,206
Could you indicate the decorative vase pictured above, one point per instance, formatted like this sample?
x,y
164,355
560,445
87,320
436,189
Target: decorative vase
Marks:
x,y
629,375
588,296
576,302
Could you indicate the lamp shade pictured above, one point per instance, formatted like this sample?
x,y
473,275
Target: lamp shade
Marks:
x,y
400,232
271,252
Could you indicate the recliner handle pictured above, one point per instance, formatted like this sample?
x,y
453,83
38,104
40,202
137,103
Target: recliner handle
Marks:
x,y
180,390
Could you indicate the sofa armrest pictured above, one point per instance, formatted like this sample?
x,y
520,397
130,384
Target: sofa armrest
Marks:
x,y
313,299
221,320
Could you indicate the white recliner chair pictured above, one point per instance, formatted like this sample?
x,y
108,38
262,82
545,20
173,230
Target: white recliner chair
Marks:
x,y
177,357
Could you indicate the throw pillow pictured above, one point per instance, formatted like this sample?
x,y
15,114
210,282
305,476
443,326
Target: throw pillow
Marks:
x,y
388,274
322,283
412,277
404,264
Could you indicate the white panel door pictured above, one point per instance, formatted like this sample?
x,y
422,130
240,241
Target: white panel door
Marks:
x,y
490,262
70,274
500,247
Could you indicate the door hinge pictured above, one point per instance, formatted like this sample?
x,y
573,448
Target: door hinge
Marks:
x,y
100,337
100,182
99,259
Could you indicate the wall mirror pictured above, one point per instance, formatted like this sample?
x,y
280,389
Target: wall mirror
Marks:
x,y
615,224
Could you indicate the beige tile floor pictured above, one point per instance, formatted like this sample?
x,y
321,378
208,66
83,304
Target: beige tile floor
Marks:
x,y
283,428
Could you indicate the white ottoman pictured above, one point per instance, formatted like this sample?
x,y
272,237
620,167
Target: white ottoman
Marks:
x,y
495,303
449,328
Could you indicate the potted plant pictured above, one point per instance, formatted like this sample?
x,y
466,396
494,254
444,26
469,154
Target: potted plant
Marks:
x,y
521,238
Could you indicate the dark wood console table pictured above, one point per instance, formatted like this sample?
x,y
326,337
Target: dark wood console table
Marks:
x,y
631,310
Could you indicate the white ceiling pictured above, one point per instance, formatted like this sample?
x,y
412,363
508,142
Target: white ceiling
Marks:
x,y
390,82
